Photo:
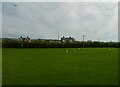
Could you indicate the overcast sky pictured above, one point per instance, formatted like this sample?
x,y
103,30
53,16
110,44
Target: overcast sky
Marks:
x,y
48,19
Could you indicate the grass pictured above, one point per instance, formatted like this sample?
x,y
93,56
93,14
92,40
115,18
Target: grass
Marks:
x,y
0,66
91,66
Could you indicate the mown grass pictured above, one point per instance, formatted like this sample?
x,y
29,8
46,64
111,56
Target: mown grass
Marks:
x,y
91,66
0,66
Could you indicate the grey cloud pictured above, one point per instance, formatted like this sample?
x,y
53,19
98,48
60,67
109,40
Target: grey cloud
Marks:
x,y
46,20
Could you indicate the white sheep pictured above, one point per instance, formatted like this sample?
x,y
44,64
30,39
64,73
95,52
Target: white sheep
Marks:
x,y
66,51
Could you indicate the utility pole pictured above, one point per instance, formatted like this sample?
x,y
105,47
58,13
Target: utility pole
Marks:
x,y
58,36
98,39
83,40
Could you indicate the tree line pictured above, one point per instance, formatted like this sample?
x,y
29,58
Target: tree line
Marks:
x,y
15,43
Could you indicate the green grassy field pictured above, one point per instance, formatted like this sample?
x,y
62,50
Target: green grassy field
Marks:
x,y
91,66
0,66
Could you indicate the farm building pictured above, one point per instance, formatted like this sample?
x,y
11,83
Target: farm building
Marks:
x,y
67,40
25,39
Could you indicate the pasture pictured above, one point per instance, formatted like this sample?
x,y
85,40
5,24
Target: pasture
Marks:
x,y
60,66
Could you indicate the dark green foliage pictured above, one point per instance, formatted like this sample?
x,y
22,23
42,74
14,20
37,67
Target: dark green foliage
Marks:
x,y
15,43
